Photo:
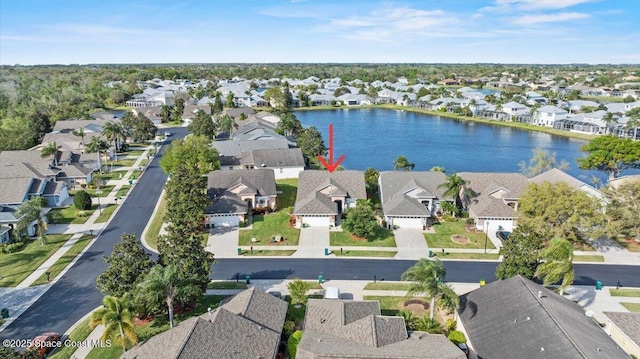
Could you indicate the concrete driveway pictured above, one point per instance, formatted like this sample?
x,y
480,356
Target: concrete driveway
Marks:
x,y
313,241
411,243
223,242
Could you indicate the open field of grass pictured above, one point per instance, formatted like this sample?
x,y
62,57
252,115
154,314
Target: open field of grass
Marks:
x,y
18,266
62,263
151,236
266,227
364,253
444,231
106,213
383,238
624,292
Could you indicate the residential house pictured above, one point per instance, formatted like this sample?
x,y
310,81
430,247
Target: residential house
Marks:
x,y
493,202
513,108
548,115
247,326
234,193
322,196
624,328
356,329
9,221
231,151
517,318
350,99
410,199
285,163
555,175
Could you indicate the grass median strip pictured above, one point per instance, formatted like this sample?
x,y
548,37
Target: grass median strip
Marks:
x,y
387,286
632,307
106,214
18,266
625,292
63,261
364,253
588,258
267,253
78,334
151,236
463,255
227,285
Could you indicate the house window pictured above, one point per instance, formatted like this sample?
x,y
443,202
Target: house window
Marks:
x,y
281,170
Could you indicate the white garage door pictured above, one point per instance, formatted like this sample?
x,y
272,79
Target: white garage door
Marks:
x,y
316,221
225,221
494,225
407,222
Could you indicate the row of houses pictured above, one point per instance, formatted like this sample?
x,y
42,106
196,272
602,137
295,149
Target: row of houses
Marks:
x,y
513,318
26,174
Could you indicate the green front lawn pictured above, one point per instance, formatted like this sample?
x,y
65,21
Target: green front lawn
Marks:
x,y
70,215
624,292
127,162
133,153
18,266
632,307
266,227
106,213
288,187
364,253
391,305
383,238
63,261
104,191
444,231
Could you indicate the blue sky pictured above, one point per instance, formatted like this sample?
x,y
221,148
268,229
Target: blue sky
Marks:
x,y
423,31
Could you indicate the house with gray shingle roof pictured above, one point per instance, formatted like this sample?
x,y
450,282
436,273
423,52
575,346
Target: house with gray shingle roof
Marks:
x,y
517,318
624,328
231,151
247,326
234,193
555,175
494,198
356,329
323,196
410,199
285,163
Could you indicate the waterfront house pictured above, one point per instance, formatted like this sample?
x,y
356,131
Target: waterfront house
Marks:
x,y
410,199
548,115
517,318
322,196
555,175
356,329
233,194
515,109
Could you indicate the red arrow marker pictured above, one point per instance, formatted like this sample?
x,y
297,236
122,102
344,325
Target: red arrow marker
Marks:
x,y
331,166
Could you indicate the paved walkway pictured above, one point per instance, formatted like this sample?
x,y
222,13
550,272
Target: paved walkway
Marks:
x,y
18,299
411,244
313,241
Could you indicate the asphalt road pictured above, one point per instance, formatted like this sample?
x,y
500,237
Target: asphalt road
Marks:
x,y
365,269
75,294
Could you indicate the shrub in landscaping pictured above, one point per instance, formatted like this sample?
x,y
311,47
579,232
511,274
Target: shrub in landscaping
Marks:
x,y
12,247
82,201
298,290
292,343
457,337
451,325
289,327
361,221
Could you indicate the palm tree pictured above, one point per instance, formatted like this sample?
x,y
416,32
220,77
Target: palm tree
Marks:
x,y
557,263
28,213
428,279
298,290
96,145
633,123
428,325
608,119
117,318
226,124
79,133
163,283
455,186
401,163
50,150
410,320
113,132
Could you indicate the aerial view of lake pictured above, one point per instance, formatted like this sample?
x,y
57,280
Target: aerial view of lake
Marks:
x,y
376,137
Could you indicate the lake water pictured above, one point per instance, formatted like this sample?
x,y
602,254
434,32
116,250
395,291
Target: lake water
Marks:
x,y
376,137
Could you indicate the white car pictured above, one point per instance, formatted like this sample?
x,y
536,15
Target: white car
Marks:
x,y
332,293
167,134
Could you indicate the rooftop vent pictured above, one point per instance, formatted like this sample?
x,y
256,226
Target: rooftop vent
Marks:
x,y
209,310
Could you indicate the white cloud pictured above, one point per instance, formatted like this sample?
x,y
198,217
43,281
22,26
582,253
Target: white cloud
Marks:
x,y
546,18
540,4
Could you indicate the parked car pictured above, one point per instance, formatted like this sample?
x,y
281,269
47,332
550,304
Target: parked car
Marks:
x,y
332,293
44,343
503,235
167,134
